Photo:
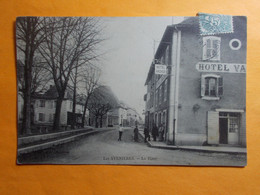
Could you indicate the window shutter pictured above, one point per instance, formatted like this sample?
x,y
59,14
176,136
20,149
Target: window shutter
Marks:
x,y
202,88
216,48
209,48
213,127
204,49
220,86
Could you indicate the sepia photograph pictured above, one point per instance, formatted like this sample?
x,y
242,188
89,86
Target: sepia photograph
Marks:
x,y
132,90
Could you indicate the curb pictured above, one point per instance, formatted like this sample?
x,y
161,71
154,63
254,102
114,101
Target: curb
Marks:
x,y
196,149
43,137
50,144
187,148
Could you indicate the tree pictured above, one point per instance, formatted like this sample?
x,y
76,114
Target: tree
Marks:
x,y
90,82
29,36
99,109
40,77
101,102
70,43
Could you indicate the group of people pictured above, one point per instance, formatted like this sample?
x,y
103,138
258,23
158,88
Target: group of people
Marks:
x,y
120,133
156,132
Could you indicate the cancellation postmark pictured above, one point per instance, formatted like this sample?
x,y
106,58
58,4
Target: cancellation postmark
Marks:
x,y
212,24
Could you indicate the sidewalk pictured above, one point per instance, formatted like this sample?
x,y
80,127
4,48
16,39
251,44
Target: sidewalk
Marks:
x,y
219,149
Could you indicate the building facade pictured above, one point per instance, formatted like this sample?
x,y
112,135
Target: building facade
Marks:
x,y
202,99
43,110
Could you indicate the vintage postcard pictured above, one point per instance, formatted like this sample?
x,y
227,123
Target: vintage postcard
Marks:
x,y
132,90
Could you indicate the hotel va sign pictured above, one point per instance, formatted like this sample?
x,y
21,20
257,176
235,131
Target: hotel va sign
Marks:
x,y
221,67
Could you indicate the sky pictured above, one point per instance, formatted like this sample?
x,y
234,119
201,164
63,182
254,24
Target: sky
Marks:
x,y
129,50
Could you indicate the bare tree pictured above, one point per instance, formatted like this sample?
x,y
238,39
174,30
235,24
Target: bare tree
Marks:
x,y
40,77
101,102
74,80
70,43
90,82
29,36
99,109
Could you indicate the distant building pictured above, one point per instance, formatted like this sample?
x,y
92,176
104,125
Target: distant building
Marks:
x,y
133,118
118,115
44,105
202,100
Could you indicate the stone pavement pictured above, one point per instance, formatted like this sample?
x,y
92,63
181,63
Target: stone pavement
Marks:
x,y
219,149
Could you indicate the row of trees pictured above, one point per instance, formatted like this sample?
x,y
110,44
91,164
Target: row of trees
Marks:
x,y
59,50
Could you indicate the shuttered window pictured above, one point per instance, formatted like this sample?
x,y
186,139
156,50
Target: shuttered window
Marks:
x,y
211,86
220,86
211,48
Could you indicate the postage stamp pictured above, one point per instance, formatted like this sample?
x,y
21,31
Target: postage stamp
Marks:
x,y
211,24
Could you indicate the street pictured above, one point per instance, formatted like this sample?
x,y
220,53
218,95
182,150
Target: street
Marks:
x,y
104,148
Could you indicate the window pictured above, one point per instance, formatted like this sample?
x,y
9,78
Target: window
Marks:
x,y
70,105
42,103
211,48
51,104
51,117
167,56
145,97
165,89
41,117
233,121
156,97
233,124
151,100
160,94
211,87
235,44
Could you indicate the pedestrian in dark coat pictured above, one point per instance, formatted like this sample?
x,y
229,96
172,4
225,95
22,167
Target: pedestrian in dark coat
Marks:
x,y
146,134
161,132
120,130
136,134
155,132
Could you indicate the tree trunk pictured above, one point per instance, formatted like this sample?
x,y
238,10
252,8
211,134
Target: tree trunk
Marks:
x,y
56,124
29,53
84,112
26,124
74,100
101,122
96,121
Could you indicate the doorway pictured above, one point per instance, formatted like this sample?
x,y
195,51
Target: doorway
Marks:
x,y
229,123
223,130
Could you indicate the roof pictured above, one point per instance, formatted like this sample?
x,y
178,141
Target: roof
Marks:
x,y
52,94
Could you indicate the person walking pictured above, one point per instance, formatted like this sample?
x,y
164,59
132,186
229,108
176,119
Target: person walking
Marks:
x,y
120,130
161,133
136,131
146,134
154,132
